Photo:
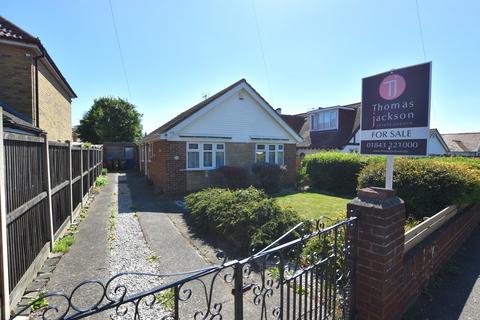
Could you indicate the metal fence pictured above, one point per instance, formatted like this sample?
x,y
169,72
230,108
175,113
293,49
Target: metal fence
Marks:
x,y
310,277
42,189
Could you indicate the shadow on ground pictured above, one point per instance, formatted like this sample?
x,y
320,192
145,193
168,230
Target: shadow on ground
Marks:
x,y
455,292
144,199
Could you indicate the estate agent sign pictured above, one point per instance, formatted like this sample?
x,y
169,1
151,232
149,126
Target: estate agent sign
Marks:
x,y
396,112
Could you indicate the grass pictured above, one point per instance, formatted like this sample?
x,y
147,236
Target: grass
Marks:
x,y
166,298
111,223
312,205
152,258
39,303
63,245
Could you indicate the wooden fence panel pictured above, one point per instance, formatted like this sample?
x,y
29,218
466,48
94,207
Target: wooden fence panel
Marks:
x,y
27,235
58,163
24,176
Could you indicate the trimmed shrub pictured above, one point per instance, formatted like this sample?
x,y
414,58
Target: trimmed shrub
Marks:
x,y
336,172
426,186
244,217
234,177
268,176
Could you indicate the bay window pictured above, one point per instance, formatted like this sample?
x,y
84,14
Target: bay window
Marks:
x,y
205,155
270,153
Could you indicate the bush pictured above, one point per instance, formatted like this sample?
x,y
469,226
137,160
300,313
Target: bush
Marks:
x,y
234,177
426,186
336,172
243,217
268,176
104,171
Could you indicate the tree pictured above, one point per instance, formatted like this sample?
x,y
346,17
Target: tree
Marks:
x,y
111,119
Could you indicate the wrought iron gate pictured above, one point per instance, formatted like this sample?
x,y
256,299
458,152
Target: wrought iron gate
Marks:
x,y
310,277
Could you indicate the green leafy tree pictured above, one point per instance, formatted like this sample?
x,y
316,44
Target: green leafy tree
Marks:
x,y
111,119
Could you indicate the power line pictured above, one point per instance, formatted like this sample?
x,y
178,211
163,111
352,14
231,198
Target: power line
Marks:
x,y
259,35
120,50
421,31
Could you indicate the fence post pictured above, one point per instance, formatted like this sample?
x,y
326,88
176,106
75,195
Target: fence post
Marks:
x,y
238,291
4,282
379,252
48,186
81,173
70,184
88,170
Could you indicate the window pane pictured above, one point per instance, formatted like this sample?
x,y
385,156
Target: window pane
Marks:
x,y
207,159
271,147
260,147
271,157
280,158
220,146
219,159
129,153
207,146
260,156
280,147
193,159
193,146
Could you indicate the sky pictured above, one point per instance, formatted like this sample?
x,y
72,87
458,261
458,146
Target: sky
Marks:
x,y
298,54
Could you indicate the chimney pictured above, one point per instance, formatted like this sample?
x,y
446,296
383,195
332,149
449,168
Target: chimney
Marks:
x,y
279,110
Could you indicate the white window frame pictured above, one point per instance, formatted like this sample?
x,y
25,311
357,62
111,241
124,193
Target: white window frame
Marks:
x,y
201,150
315,123
278,148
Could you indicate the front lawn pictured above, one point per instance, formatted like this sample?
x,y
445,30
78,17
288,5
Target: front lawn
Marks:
x,y
312,205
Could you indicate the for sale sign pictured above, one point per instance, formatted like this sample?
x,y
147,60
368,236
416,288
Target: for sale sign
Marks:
x,y
396,112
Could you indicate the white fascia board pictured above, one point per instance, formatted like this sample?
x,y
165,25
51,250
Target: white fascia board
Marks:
x,y
273,113
330,108
172,133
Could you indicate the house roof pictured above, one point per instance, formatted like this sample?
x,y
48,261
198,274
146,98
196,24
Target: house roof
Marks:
x,y
463,142
199,106
349,124
14,34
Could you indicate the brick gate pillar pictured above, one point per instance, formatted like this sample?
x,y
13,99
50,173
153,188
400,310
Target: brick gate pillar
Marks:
x,y
379,251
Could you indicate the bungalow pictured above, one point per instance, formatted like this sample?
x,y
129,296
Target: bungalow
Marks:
x,y
234,127
463,144
338,128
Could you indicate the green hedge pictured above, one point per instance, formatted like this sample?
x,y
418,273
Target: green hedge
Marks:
x,y
244,217
427,186
336,172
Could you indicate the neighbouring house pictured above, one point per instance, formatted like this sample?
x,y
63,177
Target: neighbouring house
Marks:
x,y
463,144
338,128
234,127
31,85
120,155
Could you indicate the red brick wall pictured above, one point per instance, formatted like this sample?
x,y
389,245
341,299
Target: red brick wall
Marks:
x,y
387,278
166,172
291,163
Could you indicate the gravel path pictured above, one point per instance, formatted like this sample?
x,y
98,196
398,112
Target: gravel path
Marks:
x,y
130,253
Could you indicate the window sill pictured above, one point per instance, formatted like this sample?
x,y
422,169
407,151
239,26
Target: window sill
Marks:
x,y
198,169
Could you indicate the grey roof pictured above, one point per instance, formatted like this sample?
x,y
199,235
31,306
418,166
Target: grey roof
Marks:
x,y
463,142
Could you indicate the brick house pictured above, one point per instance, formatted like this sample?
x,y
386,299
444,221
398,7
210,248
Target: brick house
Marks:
x,y
234,127
31,85
338,128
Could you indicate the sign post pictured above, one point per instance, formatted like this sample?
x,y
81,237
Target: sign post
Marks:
x,y
396,114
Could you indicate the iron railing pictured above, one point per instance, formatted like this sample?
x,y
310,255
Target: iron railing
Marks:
x,y
310,277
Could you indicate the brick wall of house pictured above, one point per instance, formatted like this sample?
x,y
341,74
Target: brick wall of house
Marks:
x,y
167,173
55,107
16,80
290,162
388,279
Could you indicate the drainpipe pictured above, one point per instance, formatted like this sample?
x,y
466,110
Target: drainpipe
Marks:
x,y
37,108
